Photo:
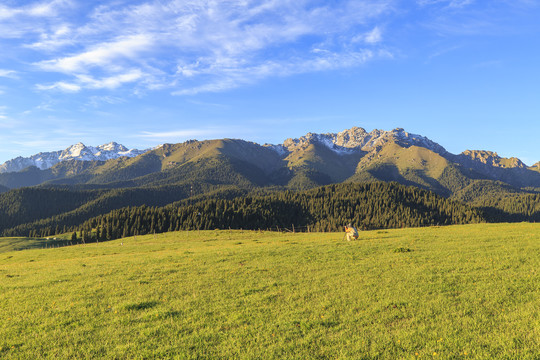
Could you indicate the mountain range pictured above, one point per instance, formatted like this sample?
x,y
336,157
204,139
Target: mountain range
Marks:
x,y
61,190
46,160
353,155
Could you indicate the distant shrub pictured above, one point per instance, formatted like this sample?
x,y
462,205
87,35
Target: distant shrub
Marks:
x,y
402,250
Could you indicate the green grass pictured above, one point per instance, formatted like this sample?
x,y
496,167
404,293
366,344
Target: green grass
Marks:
x,y
24,243
460,292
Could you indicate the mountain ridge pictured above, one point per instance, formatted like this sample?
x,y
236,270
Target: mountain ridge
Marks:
x,y
501,189
79,151
352,155
358,139
355,139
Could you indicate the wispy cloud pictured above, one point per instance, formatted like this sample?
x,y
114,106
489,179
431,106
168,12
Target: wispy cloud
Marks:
x,y
373,36
443,51
195,46
231,76
33,18
7,73
59,36
456,4
6,121
96,101
103,55
175,134
207,104
111,82
60,85
31,135
89,82
490,64
452,18
37,9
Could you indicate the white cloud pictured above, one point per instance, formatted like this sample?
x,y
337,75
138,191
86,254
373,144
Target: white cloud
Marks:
x,y
207,104
190,46
371,37
7,73
35,18
6,122
60,85
443,51
47,8
102,55
451,18
235,76
170,135
6,12
374,36
38,9
58,37
111,82
447,3
86,81
96,101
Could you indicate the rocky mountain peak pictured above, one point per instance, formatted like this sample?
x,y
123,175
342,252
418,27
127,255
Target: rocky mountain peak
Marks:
x,y
79,151
358,139
74,151
492,159
112,146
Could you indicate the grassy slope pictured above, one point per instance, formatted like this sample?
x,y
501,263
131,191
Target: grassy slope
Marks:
x,y
410,166
179,163
319,158
462,292
8,244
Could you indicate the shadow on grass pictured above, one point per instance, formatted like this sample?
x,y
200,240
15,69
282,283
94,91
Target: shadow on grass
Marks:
x,y
141,305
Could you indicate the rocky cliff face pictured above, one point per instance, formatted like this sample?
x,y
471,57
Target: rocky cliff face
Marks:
x,y
490,165
491,159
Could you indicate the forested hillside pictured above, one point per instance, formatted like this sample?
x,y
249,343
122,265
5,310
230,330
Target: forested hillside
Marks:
x,y
328,208
60,206
511,208
28,204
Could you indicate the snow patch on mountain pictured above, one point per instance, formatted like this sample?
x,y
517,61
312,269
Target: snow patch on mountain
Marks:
x,y
280,149
79,151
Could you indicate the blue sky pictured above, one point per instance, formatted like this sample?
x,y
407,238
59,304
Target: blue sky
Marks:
x,y
464,73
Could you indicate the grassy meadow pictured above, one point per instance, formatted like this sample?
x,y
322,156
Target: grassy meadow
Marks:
x,y
458,292
24,243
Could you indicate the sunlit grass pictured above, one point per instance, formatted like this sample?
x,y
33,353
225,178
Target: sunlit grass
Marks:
x,y
468,292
